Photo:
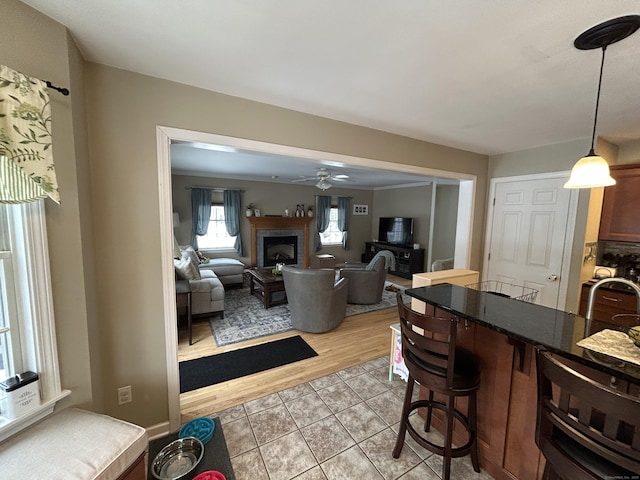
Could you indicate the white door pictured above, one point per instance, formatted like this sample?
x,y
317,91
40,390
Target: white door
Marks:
x,y
529,236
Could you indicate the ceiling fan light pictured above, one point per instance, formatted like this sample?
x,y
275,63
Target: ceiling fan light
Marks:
x,y
323,184
589,172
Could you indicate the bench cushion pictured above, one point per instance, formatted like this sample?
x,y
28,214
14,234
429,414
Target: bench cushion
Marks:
x,y
73,444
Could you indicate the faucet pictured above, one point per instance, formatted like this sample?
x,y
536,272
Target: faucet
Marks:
x,y
592,296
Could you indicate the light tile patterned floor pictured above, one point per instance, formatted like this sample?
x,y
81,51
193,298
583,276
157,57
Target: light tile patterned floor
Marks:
x,y
339,427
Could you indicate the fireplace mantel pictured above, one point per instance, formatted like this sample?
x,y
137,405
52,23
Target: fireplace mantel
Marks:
x,y
279,223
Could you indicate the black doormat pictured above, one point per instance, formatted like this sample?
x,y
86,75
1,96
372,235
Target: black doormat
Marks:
x,y
206,371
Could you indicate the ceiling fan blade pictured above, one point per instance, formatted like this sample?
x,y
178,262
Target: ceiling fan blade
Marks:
x,y
300,180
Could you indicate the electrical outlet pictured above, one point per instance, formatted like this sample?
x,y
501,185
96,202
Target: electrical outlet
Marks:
x,y
124,395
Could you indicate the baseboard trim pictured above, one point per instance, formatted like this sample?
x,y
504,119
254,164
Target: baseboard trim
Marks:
x,y
158,430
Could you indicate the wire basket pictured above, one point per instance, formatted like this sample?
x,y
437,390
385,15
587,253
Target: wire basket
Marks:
x,y
504,289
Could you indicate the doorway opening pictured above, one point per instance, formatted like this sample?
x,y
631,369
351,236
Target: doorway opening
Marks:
x,y
165,136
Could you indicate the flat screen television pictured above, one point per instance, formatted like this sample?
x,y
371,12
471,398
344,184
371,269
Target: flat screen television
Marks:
x,y
396,230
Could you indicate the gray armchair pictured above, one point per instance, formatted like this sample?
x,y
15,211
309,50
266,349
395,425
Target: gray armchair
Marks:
x,y
366,283
317,302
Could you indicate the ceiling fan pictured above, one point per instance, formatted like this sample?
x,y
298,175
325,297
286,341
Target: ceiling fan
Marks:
x,y
322,178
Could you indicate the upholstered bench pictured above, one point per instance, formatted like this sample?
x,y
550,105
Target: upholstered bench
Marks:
x,y
229,270
76,444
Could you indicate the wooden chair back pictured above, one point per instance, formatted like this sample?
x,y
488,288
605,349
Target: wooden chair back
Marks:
x,y
429,353
585,429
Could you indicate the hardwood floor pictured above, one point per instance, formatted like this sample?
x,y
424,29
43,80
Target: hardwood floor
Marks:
x,y
358,339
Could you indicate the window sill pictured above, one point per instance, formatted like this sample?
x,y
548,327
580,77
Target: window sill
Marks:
x,y
11,427
207,251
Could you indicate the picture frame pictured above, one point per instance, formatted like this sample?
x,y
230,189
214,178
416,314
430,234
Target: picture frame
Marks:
x,y
361,209
256,212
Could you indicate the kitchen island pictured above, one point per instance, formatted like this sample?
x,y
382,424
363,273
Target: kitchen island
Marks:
x,y
502,333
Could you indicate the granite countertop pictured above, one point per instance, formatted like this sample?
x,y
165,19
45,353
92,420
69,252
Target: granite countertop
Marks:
x,y
556,330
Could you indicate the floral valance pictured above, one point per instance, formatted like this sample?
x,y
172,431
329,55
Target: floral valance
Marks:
x,y
26,160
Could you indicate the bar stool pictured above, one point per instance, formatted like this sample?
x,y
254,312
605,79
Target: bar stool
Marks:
x,y
436,364
584,429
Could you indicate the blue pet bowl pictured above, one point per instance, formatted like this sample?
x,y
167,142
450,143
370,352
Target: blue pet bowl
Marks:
x,y
201,428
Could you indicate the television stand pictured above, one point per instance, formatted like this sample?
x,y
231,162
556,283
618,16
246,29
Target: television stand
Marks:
x,y
409,260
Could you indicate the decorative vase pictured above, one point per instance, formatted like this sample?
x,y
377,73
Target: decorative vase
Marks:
x,y
309,213
249,212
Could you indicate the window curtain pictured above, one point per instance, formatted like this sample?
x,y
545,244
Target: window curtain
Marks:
x,y
231,202
323,211
26,160
344,206
200,213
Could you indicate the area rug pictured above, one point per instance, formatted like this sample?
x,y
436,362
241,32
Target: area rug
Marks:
x,y
205,371
245,316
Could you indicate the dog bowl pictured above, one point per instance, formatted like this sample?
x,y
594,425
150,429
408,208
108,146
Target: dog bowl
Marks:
x,y
210,475
201,428
177,459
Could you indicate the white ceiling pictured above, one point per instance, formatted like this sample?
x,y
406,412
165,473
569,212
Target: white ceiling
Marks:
x,y
490,76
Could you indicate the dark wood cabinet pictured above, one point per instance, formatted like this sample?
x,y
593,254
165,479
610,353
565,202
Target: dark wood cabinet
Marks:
x,y
620,219
408,260
607,303
506,402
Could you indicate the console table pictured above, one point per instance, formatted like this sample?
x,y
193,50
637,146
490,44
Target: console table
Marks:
x,y
409,260
183,299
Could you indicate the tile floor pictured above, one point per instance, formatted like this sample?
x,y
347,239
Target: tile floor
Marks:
x,y
339,427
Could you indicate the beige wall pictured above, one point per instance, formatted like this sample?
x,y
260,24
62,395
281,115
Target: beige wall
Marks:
x,y
629,153
37,46
444,226
124,110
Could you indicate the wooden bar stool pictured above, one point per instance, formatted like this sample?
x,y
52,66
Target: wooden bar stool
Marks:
x,y
433,360
584,429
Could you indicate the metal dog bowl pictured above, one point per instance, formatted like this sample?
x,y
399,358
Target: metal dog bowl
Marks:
x,y
177,459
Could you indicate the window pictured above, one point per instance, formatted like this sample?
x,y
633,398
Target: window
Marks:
x,y
27,330
332,235
217,237
10,357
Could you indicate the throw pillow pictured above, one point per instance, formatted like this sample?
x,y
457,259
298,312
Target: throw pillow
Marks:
x,y
186,269
191,253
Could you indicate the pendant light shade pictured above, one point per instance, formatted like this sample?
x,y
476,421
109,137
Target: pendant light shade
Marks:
x,y
593,170
589,172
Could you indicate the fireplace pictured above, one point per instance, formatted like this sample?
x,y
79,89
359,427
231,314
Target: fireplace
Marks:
x,y
279,246
280,249
271,226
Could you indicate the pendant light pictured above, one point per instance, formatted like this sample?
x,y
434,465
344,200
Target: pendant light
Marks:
x,y
593,170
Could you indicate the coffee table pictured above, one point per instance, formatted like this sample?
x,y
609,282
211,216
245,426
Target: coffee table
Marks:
x,y
267,287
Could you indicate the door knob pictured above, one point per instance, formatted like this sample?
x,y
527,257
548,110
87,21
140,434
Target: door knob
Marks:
x,y
552,277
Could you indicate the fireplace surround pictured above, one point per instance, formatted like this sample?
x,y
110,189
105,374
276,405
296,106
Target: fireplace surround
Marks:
x,y
265,227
